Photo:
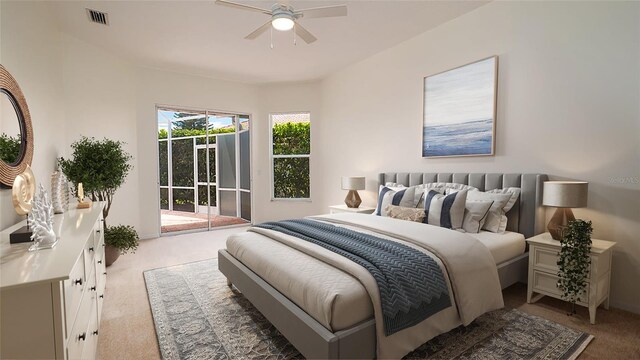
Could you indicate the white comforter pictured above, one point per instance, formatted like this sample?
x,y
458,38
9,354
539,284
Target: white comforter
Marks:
x,y
474,285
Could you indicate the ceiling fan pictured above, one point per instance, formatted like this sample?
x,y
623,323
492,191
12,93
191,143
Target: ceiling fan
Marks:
x,y
283,17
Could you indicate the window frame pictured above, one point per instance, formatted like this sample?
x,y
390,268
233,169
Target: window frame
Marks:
x,y
272,158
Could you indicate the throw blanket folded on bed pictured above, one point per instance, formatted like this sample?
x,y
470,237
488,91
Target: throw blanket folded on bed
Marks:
x,y
411,284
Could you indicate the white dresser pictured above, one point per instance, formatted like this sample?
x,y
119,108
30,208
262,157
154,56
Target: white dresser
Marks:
x,y
51,299
543,272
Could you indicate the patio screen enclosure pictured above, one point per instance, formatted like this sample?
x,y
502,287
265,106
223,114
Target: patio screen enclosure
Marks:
x,y
204,166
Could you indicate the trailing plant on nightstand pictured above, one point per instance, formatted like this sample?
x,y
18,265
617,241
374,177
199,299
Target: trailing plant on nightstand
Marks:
x,y
574,260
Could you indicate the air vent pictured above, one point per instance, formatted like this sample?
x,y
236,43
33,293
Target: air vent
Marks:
x,y
98,17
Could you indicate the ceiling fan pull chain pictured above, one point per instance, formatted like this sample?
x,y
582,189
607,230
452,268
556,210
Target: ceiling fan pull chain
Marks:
x,y
271,32
294,34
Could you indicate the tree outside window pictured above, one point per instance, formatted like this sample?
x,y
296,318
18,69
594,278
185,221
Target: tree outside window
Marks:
x,y
290,155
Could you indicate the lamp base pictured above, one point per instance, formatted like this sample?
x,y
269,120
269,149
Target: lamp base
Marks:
x,y
353,199
559,221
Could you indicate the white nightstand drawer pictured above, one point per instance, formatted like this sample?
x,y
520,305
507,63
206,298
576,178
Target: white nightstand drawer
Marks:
x,y
545,259
545,283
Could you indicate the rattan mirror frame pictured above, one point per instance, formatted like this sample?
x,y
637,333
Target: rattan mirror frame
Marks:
x,y
8,172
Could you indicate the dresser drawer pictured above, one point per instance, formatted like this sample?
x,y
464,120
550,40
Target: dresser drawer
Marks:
x,y
73,289
79,336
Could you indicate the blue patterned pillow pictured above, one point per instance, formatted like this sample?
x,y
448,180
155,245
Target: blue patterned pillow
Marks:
x,y
445,210
399,197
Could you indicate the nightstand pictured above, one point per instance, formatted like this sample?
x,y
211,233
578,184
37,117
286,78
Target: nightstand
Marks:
x,y
543,272
334,209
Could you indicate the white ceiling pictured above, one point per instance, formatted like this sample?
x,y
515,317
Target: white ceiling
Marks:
x,y
201,38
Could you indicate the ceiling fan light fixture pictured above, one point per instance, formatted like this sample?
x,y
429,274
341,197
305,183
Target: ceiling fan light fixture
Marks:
x,y
282,23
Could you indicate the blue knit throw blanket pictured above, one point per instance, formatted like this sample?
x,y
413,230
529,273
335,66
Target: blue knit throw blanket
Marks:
x,y
412,286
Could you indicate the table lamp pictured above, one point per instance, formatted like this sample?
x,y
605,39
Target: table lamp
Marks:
x,y
353,184
564,195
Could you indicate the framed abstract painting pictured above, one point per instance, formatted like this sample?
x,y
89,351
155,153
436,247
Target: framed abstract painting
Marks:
x,y
460,110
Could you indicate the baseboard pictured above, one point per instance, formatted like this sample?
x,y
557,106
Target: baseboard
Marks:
x,y
633,308
148,236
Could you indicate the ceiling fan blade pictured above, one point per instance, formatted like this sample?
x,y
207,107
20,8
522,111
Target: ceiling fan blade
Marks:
x,y
323,11
304,33
242,6
257,32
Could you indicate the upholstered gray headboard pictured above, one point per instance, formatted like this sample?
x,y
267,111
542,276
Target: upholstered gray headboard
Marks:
x,y
526,217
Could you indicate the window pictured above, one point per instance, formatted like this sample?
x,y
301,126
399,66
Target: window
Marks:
x,y
290,151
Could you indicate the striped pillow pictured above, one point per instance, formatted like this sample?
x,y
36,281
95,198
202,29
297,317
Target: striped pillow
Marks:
x,y
399,197
445,210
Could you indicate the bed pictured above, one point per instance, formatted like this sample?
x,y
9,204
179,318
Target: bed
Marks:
x,y
325,311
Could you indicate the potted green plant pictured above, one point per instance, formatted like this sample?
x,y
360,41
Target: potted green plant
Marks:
x,y
102,167
574,260
119,240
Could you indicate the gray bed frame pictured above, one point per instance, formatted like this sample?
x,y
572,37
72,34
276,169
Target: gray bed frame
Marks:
x,y
313,340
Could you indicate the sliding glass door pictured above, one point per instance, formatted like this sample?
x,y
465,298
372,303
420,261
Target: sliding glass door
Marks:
x,y
204,167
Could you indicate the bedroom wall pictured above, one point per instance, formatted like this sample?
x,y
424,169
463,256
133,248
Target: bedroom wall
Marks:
x,y
165,88
29,43
282,98
569,83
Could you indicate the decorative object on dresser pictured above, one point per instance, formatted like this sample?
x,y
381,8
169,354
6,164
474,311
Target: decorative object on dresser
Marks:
x,y
564,195
82,204
119,240
460,110
353,184
59,192
16,153
544,253
40,221
24,187
51,301
334,209
574,261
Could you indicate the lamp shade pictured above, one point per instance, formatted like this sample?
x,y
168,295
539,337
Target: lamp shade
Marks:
x,y
565,194
353,182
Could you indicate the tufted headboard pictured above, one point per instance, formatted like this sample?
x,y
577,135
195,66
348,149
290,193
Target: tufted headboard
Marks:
x,y
527,215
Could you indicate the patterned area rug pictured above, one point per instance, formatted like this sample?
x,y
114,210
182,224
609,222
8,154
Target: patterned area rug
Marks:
x,y
197,316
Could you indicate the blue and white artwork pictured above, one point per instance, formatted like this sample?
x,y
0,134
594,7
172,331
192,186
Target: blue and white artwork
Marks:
x,y
459,111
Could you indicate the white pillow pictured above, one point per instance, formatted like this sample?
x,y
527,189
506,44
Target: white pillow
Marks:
x,y
418,192
503,201
475,213
440,187
400,197
445,210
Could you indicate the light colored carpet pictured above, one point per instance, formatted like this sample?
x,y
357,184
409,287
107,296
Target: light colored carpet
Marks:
x,y
127,329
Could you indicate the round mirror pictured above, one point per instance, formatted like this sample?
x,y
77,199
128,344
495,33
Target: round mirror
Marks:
x,y
16,133
11,144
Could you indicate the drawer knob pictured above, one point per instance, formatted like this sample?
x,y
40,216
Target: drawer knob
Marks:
x,y
102,296
82,336
95,332
93,288
99,261
104,273
78,281
98,231
91,248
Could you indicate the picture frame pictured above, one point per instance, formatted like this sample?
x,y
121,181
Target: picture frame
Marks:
x,y
459,110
